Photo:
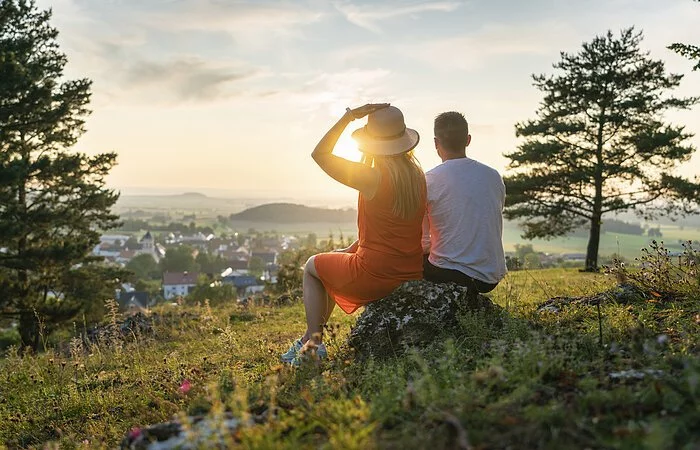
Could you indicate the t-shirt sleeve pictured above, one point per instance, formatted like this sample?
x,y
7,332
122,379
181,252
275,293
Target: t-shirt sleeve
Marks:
x,y
503,191
429,183
425,241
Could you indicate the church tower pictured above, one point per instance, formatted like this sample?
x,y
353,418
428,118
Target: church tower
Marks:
x,y
147,243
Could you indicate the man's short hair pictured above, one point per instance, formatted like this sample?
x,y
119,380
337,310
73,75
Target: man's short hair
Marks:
x,y
452,129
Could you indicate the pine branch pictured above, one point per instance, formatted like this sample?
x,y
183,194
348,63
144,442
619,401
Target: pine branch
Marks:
x,y
691,52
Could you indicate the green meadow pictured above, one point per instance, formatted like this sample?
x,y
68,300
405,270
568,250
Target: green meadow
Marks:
x,y
522,379
626,245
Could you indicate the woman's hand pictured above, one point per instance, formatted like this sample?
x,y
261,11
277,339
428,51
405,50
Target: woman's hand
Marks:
x,y
369,108
355,175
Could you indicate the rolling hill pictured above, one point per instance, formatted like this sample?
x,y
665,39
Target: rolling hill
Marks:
x,y
294,213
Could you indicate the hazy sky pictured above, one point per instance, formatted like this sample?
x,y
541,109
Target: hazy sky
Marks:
x,y
231,97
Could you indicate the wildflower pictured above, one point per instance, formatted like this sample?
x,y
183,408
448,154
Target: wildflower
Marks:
x,y
134,433
185,386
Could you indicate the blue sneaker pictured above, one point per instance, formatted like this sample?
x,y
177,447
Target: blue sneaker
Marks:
x,y
310,353
292,352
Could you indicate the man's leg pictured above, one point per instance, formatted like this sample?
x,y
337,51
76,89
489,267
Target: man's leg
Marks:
x,y
317,303
439,275
483,287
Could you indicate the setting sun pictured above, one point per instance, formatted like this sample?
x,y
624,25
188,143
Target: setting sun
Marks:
x,y
347,147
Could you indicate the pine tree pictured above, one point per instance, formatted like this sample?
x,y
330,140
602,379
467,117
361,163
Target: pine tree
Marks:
x,y
53,201
599,144
691,52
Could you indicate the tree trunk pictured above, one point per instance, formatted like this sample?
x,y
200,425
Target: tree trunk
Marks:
x,y
593,244
594,236
28,325
29,329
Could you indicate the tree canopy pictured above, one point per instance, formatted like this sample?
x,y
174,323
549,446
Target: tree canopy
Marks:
x,y
53,201
599,143
179,259
144,267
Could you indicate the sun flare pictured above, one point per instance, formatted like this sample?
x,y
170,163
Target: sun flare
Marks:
x,y
347,148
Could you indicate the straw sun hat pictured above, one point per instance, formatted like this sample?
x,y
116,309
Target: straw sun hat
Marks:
x,y
386,134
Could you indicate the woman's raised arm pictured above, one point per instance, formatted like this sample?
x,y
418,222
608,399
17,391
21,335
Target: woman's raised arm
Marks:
x,y
355,175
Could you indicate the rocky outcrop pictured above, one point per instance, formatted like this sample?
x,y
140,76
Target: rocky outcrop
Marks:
x,y
414,315
138,324
197,432
623,294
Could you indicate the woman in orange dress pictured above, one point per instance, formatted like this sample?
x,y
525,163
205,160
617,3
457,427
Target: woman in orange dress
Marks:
x,y
391,205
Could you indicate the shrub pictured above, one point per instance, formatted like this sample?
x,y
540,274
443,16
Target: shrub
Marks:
x,y
662,272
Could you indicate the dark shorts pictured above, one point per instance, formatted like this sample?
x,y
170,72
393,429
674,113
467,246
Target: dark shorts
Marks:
x,y
440,275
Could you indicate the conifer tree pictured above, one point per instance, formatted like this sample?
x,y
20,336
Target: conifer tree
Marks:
x,y
599,144
690,51
53,201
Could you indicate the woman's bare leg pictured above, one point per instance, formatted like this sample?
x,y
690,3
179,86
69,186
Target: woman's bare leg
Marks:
x,y
317,303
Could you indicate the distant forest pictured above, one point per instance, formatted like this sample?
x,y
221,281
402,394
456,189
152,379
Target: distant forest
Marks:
x,y
293,213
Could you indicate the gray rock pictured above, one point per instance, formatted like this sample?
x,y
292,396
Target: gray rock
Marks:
x,y
414,315
139,324
623,293
200,432
635,374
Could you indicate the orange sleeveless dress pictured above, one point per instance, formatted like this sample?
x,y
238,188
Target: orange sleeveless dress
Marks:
x,y
389,253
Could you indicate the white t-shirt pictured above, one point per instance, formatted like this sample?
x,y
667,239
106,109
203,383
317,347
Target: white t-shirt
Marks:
x,y
463,225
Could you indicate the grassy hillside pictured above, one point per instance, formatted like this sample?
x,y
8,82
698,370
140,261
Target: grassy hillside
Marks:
x,y
535,380
189,203
283,213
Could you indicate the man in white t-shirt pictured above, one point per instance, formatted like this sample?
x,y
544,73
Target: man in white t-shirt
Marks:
x,y
463,225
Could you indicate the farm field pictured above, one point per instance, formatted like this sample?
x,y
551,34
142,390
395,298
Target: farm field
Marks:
x,y
626,245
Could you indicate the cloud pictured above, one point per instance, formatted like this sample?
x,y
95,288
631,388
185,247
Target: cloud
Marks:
x,y
355,54
368,16
124,73
255,20
235,16
186,78
330,92
475,50
172,51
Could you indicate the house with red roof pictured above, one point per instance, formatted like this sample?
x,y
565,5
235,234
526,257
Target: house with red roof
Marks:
x,y
178,284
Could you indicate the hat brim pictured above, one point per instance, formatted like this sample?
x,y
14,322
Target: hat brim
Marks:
x,y
380,147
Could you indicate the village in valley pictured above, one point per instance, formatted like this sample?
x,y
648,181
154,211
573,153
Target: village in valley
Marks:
x,y
190,247
170,259
247,261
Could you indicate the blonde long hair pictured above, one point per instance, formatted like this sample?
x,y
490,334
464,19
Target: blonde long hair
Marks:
x,y
407,179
